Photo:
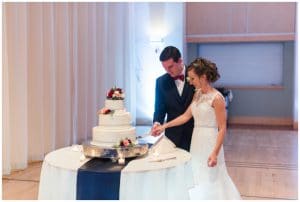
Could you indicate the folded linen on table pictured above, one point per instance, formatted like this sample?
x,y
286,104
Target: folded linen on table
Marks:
x,y
161,161
162,154
162,146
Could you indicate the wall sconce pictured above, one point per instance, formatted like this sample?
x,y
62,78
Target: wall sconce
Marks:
x,y
156,43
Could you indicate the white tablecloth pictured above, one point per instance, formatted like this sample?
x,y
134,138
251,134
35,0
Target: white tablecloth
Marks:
x,y
143,178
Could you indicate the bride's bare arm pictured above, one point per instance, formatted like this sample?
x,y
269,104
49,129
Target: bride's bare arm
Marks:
x,y
179,120
220,111
187,115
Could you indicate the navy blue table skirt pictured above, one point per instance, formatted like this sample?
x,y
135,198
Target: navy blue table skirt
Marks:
x,y
99,179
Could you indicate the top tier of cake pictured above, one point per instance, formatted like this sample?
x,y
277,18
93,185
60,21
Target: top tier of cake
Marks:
x,y
114,104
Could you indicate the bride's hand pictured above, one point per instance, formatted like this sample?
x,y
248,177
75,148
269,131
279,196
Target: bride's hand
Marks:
x,y
154,129
212,160
158,130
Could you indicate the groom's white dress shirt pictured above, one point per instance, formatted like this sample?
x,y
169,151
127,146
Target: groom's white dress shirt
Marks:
x,y
179,83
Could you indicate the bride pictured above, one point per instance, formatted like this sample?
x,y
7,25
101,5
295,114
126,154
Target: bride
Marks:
x,y
209,113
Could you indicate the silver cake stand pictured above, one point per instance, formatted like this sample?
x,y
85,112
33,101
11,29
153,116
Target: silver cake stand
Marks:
x,y
115,154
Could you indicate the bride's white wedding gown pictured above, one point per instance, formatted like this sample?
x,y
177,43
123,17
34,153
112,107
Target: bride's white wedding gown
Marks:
x,y
211,182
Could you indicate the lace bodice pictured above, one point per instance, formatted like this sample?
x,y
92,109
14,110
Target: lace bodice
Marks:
x,y
202,110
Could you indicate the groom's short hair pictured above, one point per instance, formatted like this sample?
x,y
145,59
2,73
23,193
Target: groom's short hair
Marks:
x,y
170,52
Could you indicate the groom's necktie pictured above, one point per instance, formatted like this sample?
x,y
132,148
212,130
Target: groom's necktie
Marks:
x,y
181,77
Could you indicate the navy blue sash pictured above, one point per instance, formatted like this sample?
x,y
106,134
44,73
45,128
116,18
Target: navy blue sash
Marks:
x,y
99,179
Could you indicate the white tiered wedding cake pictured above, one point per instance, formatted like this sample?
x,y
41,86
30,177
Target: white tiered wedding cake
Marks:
x,y
114,122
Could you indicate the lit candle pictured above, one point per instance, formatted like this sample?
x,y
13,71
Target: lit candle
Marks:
x,y
121,161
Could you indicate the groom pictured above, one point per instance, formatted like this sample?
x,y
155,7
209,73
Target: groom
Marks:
x,y
173,95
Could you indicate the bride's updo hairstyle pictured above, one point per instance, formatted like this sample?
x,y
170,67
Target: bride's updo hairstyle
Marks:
x,y
203,66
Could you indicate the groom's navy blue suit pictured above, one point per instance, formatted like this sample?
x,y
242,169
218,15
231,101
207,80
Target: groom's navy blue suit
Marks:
x,y
169,102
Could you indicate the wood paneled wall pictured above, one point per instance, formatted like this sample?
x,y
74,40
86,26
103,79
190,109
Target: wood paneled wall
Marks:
x,y
240,22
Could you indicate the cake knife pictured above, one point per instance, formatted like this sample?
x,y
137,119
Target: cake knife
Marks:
x,y
144,135
165,159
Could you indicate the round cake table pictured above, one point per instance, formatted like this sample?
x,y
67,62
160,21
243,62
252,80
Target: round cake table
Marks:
x,y
167,176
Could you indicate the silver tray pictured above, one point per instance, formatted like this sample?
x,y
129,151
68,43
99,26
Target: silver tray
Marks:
x,y
90,150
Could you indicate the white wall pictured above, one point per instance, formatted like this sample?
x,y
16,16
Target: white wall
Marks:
x,y
246,64
152,22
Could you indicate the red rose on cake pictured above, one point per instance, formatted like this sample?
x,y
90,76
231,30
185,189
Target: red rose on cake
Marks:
x,y
115,94
104,111
125,143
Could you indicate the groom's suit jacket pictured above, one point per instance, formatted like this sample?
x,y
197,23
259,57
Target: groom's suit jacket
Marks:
x,y
169,102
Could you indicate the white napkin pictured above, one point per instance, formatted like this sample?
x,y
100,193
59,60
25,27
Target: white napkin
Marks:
x,y
162,146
